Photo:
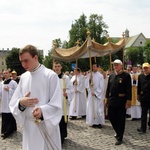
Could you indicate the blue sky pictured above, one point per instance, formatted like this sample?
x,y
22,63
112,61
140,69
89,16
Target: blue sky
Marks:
x,y
38,22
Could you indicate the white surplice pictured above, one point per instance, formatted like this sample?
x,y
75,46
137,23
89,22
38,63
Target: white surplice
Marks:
x,y
135,110
6,95
95,104
78,103
43,84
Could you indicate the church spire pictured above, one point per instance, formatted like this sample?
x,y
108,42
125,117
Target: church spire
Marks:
x,y
126,33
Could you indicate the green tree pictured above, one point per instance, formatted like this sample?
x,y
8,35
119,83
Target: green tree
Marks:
x,y
48,61
147,51
78,31
95,25
135,55
13,62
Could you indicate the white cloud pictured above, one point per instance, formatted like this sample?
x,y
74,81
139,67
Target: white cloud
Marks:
x,y
38,22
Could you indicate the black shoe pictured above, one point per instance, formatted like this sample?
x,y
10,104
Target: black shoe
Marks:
x,y
118,143
128,116
94,126
97,126
2,135
83,116
141,131
116,136
73,118
135,119
5,136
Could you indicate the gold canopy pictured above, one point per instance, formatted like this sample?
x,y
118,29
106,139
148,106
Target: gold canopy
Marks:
x,y
96,50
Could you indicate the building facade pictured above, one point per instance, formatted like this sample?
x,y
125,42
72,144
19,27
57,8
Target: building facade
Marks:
x,y
3,54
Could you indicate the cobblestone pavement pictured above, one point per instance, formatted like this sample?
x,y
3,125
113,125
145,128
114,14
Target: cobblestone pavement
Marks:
x,y
83,137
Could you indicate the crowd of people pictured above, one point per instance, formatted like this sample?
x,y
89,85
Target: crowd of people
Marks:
x,y
43,100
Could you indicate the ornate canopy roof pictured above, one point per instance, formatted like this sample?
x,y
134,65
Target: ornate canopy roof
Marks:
x,y
89,48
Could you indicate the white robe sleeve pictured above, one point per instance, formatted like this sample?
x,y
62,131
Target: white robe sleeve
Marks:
x,y
99,89
14,103
81,84
52,111
12,87
69,89
87,82
0,89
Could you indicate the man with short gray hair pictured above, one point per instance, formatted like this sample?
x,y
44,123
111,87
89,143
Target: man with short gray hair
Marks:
x,y
118,96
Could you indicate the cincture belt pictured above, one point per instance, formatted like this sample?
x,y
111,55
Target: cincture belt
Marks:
x,y
119,94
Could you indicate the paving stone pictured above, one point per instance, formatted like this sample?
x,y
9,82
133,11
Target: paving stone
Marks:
x,y
83,137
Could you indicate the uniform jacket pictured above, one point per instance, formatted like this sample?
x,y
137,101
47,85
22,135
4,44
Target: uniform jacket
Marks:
x,y
144,87
119,89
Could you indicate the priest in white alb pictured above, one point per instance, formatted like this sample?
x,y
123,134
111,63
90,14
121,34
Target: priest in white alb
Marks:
x,y
37,103
78,103
95,104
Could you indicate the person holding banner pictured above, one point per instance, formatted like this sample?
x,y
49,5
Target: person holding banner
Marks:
x,y
37,103
67,90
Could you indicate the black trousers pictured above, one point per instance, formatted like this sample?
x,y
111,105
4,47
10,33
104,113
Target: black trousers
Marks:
x,y
145,108
63,129
8,124
117,117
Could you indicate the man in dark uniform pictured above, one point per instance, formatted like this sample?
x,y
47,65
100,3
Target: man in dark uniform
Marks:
x,y
144,95
118,96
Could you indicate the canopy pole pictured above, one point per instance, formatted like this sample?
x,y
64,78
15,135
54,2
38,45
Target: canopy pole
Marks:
x,y
91,84
123,58
53,64
76,63
95,59
110,61
123,35
90,61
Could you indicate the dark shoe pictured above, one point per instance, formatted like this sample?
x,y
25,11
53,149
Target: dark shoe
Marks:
x,y
141,131
135,119
94,126
116,136
2,135
5,136
118,143
73,118
83,116
97,126
128,116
